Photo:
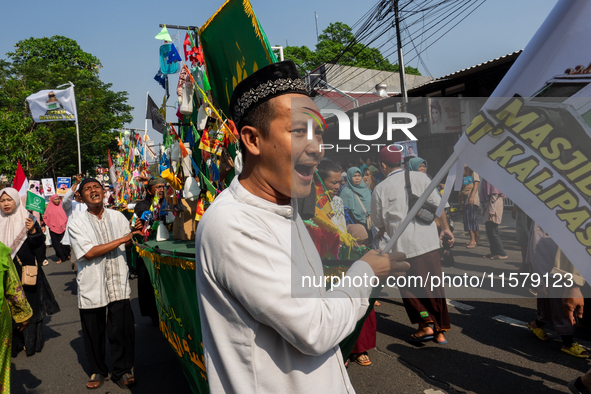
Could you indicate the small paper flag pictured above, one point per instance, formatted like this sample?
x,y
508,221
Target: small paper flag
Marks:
x,y
163,35
206,86
173,55
35,202
161,79
208,185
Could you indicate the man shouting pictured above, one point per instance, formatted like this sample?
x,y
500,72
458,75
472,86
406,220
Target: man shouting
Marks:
x,y
263,331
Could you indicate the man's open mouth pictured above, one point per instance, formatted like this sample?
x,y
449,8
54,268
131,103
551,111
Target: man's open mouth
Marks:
x,y
305,170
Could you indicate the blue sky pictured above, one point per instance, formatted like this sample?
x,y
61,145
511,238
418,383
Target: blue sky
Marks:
x,y
121,33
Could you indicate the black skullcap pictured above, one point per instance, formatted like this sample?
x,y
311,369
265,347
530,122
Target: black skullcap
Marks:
x,y
155,181
85,181
270,81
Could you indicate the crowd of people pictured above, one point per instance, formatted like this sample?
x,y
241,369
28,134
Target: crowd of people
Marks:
x,y
97,241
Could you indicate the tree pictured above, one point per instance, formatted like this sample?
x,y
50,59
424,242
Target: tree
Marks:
x,y
50,149
337,44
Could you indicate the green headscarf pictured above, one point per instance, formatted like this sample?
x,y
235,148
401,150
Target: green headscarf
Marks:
x,y
415,163
361,190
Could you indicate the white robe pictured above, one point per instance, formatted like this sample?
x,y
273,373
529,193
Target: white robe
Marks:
x,y
262,331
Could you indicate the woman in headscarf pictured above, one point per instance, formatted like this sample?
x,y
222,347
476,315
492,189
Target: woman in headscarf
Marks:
x,y
14,305
417,164
55,217
492,213
23,236
357,197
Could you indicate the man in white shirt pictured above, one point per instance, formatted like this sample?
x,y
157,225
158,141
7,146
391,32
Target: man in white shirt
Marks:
x,y
419,241
263,331
99,237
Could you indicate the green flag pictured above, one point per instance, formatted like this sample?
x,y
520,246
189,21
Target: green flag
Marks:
x,y
208,184
35,202
234,45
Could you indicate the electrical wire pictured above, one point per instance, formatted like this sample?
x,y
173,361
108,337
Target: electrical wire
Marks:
x,y
413,11
458,11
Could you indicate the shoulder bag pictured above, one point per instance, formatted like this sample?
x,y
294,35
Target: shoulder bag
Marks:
x,y
368,224
426,214
29,273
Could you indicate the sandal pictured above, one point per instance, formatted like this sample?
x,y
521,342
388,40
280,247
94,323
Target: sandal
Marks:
x,y
59,262
363,360
126,381
497,257
45,262
471,246
576,350
423,338
444,340
95,377
538,332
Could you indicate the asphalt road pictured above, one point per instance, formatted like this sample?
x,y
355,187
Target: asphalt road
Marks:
x,y
489,349
62,368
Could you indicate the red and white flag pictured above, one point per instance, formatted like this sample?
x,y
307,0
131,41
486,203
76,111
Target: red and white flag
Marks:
x,y
21,183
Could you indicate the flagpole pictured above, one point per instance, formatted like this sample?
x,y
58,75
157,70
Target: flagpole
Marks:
x,y
419,204
78,139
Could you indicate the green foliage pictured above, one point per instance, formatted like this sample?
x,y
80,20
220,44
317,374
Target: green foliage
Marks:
x,y
50,149
337,43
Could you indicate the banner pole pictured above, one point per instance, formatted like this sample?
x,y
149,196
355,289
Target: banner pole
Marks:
x,y
78,139
415,209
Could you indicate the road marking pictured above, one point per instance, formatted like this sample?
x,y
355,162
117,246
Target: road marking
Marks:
x,y
431,391
459,305
519,323
511,321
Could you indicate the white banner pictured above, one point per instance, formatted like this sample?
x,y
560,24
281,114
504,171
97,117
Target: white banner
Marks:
x,y
53,105
48,187
532,140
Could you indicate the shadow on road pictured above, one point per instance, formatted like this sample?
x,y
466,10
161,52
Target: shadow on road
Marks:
x,y
511,360
31,382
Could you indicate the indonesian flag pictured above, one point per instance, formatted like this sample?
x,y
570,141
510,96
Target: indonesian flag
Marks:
x,y
21,183
113,174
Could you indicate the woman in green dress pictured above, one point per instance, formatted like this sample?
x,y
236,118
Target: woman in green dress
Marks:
x,y
14,306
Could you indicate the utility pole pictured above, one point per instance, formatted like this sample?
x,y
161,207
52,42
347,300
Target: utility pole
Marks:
x,y
316,19
400,57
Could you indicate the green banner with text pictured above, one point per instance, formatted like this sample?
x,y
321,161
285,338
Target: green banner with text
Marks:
x,y
173,279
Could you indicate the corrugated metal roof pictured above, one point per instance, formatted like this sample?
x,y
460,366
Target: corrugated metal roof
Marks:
x,y
470,70
346,103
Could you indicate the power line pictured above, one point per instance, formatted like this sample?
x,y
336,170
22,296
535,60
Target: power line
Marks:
x,y
383,5
413,11
459,10
418,7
